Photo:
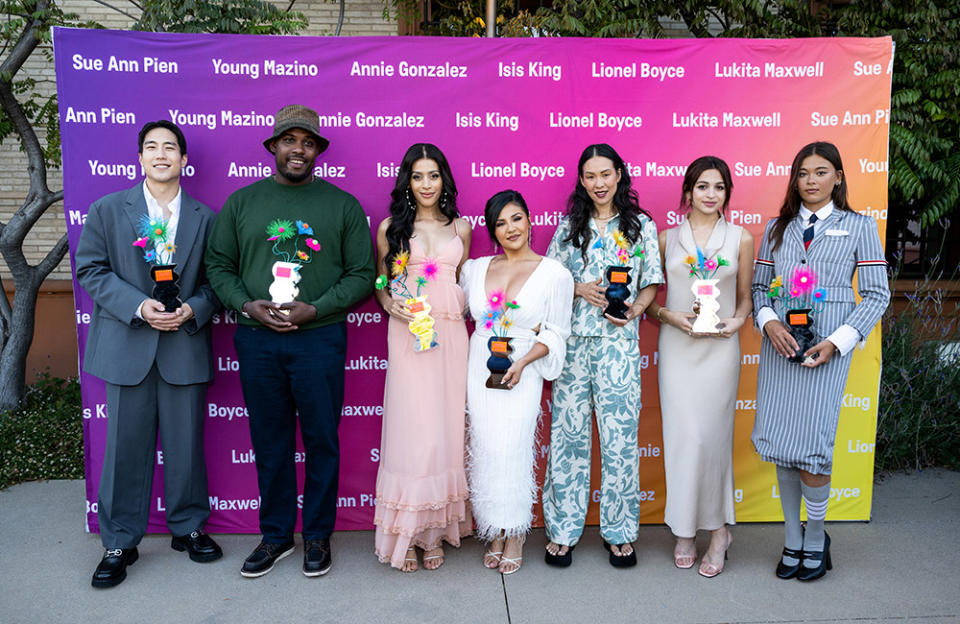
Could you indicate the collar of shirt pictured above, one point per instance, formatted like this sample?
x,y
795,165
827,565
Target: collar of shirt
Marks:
x,y
606,226
822,214
156,211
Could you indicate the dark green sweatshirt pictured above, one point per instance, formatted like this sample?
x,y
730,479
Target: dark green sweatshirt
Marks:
x,y
239,256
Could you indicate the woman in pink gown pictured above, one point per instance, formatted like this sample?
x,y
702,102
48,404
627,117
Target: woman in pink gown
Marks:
x,y
422,494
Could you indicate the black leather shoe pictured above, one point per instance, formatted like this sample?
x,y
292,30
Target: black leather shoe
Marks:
x,y
785,571
201,546
621,561
822,558
560,561
112,569
317,559
264,557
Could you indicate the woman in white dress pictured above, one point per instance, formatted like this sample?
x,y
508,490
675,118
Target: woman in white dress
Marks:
x,y
502,421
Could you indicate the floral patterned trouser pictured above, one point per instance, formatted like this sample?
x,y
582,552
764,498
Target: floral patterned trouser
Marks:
x,y
601,374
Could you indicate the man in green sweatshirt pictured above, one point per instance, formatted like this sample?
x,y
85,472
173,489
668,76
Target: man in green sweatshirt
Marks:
x,y
292,252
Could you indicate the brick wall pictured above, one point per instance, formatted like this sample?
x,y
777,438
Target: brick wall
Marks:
x,y
361,18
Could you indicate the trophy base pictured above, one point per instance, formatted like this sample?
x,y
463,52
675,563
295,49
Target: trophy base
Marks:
x,y
495,382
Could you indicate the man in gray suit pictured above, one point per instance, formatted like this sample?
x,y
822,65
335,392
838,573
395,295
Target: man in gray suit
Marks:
x,y
156,363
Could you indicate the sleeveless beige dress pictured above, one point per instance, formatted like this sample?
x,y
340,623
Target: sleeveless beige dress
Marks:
x,y
698,380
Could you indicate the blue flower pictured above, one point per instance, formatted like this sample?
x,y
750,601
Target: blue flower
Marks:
x,y
304,228
149,255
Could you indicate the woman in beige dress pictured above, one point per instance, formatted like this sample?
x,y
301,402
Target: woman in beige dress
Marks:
x,y
698,424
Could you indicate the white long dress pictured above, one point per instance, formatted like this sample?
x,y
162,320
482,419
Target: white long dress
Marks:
x,y
502,423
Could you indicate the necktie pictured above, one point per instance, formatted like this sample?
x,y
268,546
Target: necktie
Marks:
x,y
808,233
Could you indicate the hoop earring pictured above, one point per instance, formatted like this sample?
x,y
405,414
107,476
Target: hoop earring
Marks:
x,y
410,203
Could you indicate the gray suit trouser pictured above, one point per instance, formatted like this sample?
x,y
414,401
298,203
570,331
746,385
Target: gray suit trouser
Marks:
x,y
134,414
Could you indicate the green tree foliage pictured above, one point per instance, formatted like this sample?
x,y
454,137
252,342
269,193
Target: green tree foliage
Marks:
x,y
252,17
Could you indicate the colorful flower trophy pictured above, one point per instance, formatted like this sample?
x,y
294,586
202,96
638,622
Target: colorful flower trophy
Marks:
x,y
705,290
422,324
286,273
803,298
497,320
618,276
158,251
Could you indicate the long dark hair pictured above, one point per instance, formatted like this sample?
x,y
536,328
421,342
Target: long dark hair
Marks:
x,y
402,212
495,206
695,170
625,201
791,202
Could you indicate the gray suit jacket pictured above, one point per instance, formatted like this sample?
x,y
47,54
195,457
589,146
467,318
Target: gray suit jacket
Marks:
x,y
122,348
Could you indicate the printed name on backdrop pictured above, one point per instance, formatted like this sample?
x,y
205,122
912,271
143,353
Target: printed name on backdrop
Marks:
x,y
145,65
533,69
657,72
487,120
267,67
130,171
408,70
747,69
603,120
728,119
850,118
106,115
513,170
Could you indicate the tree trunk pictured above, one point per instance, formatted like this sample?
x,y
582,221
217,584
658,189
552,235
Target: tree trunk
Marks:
x,y
13,351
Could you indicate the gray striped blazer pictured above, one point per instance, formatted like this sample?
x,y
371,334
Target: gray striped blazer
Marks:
x,y
846,242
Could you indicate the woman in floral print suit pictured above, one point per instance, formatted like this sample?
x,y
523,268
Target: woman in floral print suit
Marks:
x,y
604,226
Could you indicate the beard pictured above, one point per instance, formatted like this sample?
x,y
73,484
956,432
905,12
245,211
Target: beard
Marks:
x,y
295,177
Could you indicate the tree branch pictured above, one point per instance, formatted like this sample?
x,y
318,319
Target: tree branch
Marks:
x,y
53,258
119,10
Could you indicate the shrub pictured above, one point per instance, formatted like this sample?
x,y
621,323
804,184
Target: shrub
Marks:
x,y
918,421
43,438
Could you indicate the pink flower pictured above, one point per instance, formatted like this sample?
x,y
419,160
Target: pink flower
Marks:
x,y
488,324
804,280
430,269
794,291
313,244
140,242
496,299
710,264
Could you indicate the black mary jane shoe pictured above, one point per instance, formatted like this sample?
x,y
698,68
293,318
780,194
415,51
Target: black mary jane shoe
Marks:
x,y
559,561
785,571
807,573
621,561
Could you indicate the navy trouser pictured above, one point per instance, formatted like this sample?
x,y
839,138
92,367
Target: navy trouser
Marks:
x,y
283,375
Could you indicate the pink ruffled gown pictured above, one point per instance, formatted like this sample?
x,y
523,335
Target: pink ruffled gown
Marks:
x,y
422,494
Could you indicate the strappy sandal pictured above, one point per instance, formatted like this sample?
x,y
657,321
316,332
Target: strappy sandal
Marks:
x,y
496,554
408,558
692,557
427,558
517,562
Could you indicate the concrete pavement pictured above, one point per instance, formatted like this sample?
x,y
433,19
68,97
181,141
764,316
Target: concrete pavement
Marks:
x,y
902,566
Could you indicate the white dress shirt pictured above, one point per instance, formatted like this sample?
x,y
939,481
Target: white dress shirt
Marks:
x,y
845,337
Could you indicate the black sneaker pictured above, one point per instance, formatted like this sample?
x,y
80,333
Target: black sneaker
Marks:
x,y
264,557
316,557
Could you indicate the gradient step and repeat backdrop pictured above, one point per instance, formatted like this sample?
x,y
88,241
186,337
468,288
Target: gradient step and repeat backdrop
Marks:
x,y
508,113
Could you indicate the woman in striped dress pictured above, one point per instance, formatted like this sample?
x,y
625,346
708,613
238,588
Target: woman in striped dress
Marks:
x,y
798,404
